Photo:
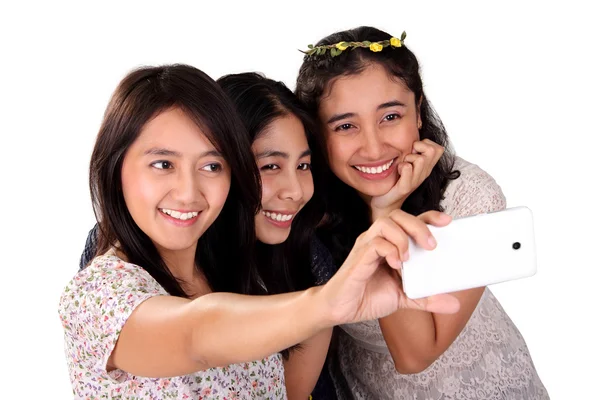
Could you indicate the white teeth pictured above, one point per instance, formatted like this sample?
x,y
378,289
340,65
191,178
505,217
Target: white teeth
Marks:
x,y
375,170
277,217
180,215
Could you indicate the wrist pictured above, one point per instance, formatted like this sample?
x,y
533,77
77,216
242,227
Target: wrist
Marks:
x,y
318,308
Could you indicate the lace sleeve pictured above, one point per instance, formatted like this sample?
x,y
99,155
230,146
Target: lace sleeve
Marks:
x,y
474,192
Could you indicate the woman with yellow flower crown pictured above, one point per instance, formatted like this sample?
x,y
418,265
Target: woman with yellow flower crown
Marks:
x,y
388,150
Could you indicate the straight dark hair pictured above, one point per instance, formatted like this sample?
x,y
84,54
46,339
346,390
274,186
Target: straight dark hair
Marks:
x,y
225,251
260,101
347,214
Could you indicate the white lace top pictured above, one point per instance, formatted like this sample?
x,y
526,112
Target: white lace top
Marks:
x,y
488,360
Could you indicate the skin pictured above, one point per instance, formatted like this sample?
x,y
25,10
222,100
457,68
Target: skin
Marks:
x,y
372,120
170,336
283,159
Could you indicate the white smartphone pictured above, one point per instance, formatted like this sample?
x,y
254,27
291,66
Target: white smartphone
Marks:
x,y
472,252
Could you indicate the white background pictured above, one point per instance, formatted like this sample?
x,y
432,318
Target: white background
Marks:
x,y
516,85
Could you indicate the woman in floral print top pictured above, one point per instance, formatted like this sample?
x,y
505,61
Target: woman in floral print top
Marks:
x,y
94,308
169,307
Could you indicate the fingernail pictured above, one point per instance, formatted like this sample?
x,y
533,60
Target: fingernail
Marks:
x,y
405,256
399,264
431,241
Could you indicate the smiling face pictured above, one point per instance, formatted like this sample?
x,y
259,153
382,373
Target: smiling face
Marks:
x,y
283,159
370,122
175,182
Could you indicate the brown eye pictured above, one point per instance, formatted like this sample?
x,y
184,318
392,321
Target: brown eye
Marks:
x,y
162,165
391,117
343,127
213,167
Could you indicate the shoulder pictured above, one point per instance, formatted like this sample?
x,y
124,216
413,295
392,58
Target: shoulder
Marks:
x,y
107,283
95,306
473,192
110,269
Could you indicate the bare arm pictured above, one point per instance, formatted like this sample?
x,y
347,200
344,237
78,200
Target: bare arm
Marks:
x,y
417,338
304,366
132,325
170,336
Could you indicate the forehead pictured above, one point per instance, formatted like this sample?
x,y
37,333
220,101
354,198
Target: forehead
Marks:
x,y
286,132
173,128
366,90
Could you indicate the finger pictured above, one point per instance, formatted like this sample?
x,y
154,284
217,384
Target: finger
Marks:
x,y
440,304
375,251
421,169
429,143
388,230
435,218
406,172
387,250
429,148
415,228
403,185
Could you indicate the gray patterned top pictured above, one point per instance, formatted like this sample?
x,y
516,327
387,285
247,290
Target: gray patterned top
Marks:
x,y
488,360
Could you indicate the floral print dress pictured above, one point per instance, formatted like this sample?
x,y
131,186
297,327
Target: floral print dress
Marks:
x,y
93,309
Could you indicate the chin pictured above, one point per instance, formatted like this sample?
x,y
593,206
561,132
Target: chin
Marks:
x,y
272,239
179,245
374,190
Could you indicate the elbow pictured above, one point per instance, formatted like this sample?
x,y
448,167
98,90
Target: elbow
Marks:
x,y
411,366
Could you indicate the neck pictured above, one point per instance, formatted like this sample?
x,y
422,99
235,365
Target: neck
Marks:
x,y
181,263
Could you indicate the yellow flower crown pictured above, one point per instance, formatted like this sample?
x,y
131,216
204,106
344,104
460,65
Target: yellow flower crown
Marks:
x,y
337,48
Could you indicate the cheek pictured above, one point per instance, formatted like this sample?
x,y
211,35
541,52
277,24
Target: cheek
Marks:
x,y
140,189
404,138
308,187
267,184
339,150
216,192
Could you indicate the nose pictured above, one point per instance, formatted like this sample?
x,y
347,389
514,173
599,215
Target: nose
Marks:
x,y
291,188
373,145
186,188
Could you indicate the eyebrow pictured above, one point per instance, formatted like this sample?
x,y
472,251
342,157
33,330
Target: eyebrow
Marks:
x,y
276,153
156,151
387,104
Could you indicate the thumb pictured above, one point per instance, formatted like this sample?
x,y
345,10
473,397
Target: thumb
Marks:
x,y
435,218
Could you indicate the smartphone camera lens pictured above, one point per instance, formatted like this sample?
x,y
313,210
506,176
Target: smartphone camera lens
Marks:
x,y
516,245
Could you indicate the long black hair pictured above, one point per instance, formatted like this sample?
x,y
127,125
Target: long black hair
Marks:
x,y
259,101
347,214
225,251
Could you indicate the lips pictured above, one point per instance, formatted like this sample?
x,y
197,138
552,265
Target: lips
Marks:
x,y
376,171
376,168
180,218
179,214
281,219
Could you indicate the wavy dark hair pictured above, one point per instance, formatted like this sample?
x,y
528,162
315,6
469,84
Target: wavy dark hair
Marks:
x,y
347,214
225,251
259,101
